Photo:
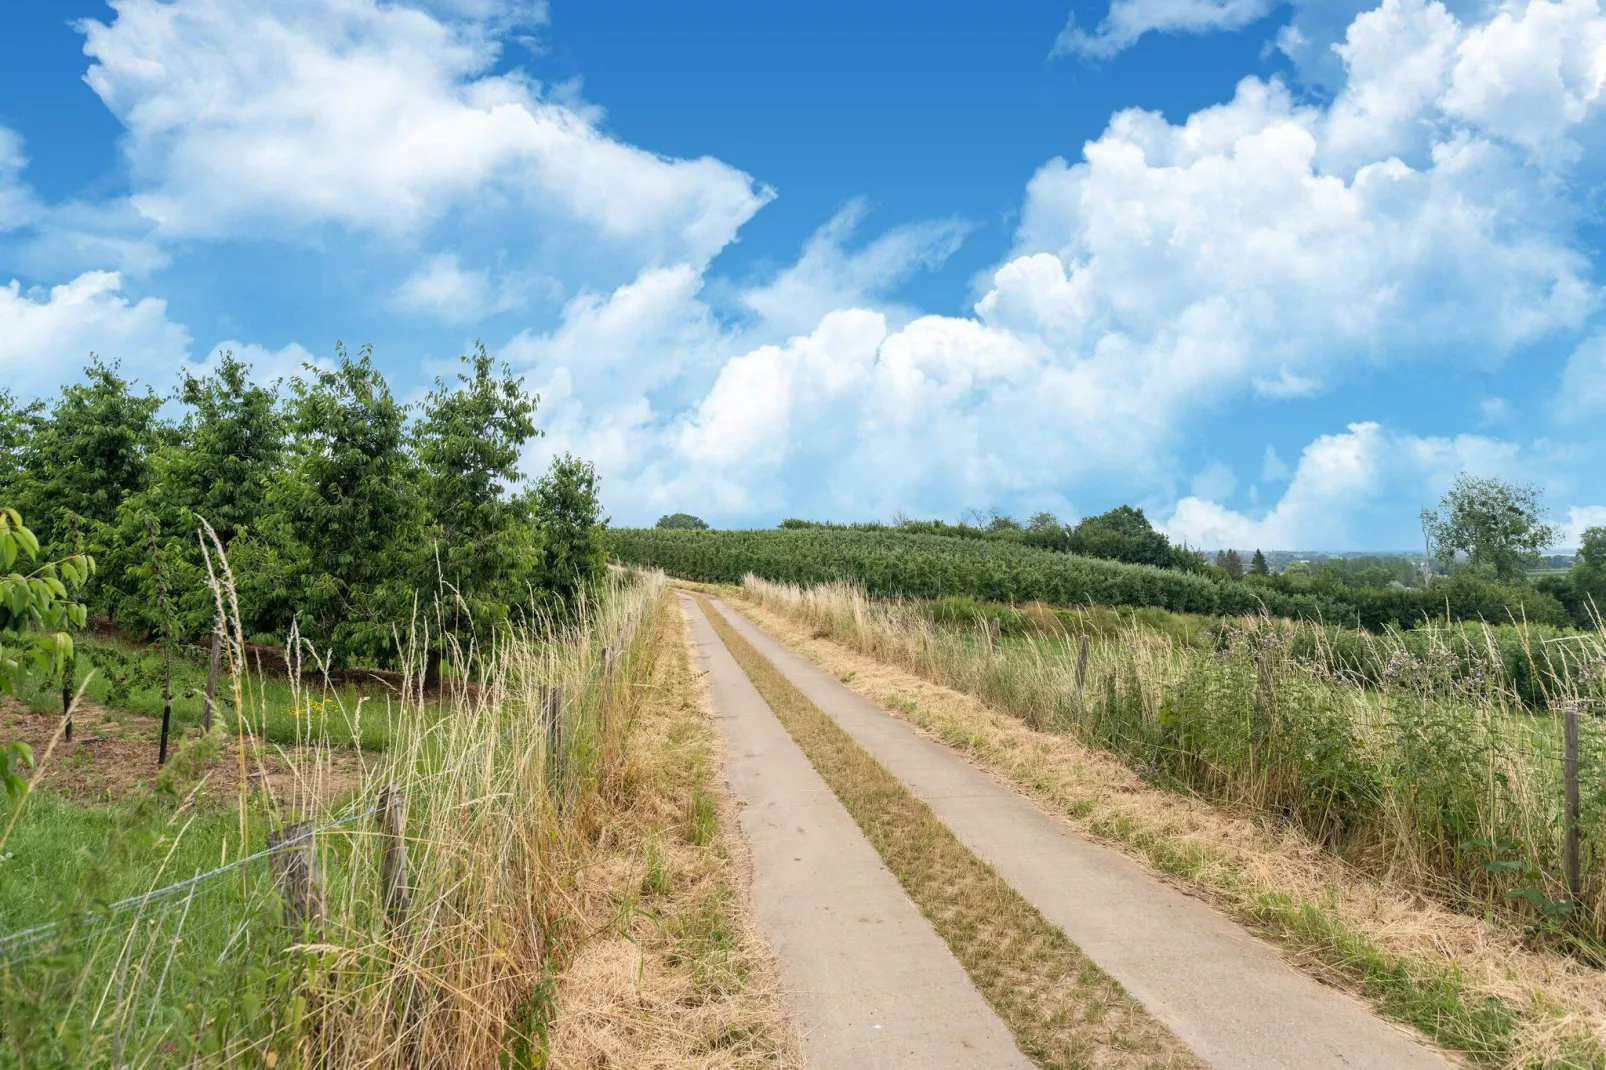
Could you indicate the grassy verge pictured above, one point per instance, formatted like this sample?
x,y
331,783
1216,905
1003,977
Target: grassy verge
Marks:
x,y
1063,1010
1474,985
672,973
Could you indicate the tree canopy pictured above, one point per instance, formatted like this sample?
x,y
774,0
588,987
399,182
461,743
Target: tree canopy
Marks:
x,y
681,522
1497,526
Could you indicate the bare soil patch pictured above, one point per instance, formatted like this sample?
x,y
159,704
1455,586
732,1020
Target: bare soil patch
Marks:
x,y
113,754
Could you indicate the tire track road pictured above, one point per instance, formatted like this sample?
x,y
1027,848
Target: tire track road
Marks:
x,y
869,981
1226,994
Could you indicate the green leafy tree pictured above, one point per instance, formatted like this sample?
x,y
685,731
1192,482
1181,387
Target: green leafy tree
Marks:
x,y
1122,534
90,453
1045,530
1498,526
345,523
218,467
37,612
1588,574
18,425
1258,565
81,462
682,522
468,444
570,515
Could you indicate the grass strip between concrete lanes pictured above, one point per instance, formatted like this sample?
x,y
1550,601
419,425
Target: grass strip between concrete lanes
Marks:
x,y
1063,1010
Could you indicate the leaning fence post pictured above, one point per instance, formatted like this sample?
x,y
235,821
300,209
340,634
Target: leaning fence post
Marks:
x,y
296,876
1570,777
994,633
392,819
607,664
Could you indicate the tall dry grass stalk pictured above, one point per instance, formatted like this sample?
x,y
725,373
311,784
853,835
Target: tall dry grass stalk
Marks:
x,y
1433,772
495,808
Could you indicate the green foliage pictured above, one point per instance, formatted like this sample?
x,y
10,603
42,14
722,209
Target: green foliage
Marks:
x,y
1588,578
36,611
468,443
218,466
1122,534
681,522
933,566
346,518
1497,525
1258,566
1230,563
570,513
894,563
91,453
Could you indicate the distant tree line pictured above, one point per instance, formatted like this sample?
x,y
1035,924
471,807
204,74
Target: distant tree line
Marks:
x,y
341,510
1487,535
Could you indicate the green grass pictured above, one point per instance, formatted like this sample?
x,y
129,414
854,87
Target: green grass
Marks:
x,y
63,854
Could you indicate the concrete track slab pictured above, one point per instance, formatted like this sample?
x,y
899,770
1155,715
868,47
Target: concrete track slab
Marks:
x,y
870,982
1225,993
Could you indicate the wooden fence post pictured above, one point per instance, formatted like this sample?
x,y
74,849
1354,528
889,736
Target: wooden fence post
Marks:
x,y
994,635
1081,667
552,722
297,876
209,701
1570,776
607,664
392,819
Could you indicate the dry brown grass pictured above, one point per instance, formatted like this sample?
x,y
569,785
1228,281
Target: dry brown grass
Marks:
x,y
675,975
1475,984
1062,1009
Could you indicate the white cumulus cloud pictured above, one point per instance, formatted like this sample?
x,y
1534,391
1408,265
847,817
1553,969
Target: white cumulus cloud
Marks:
x,y
1345,487
243,117
47,336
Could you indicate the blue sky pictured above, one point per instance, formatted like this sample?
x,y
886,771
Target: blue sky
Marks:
x,y
1275,272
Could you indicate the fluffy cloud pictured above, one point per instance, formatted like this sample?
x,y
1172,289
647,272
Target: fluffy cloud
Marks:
x,y
243,116
828,276
1583,383
17,205
1346,488
46,337
442,288
1129,20
1260,247
1579,519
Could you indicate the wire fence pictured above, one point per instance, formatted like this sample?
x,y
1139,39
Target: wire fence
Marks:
x,y
418,889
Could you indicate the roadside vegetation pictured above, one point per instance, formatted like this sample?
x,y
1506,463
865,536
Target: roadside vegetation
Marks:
x,y
1505,987
365,759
